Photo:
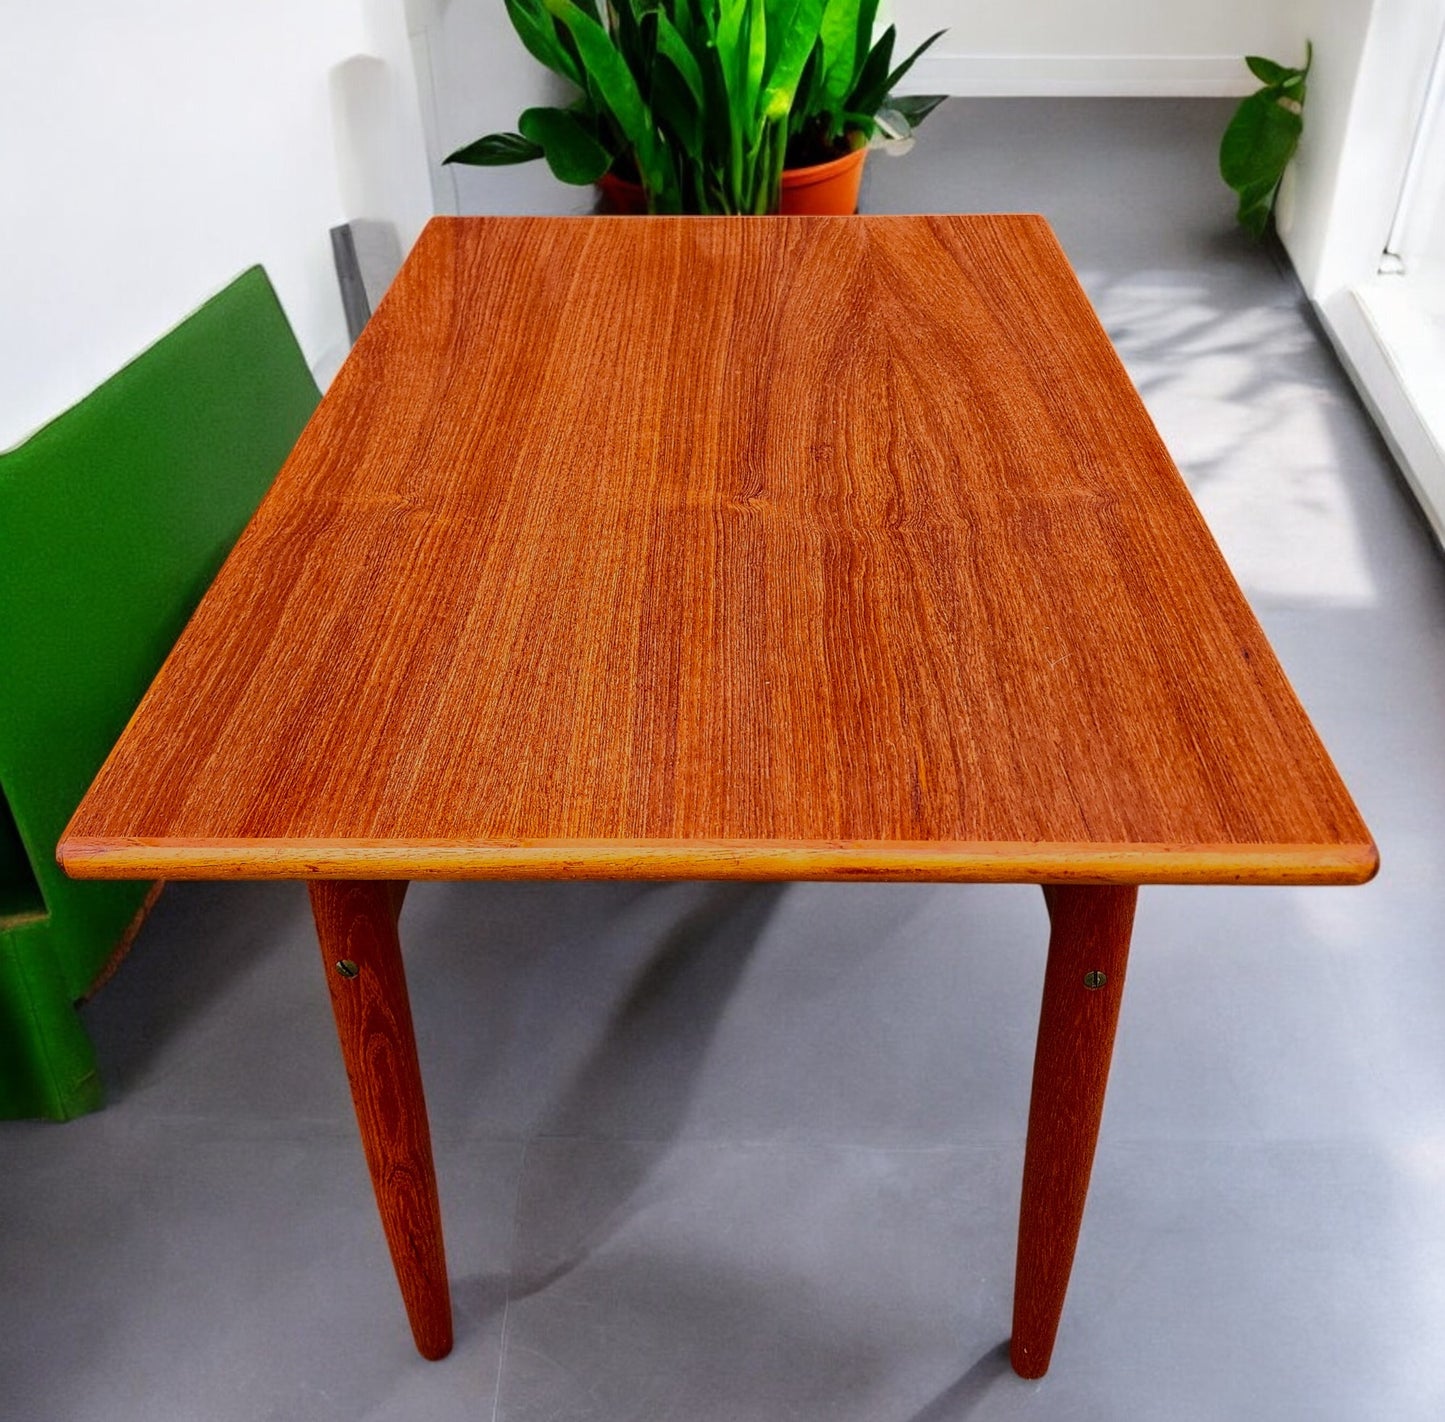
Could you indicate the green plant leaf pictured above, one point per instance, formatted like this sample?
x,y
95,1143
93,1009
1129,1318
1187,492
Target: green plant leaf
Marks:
x,y
780,22
730,43
687,16
496,150
794,49
808,86
676,108
612,83
838,32
916,107
633,29
1257,190
572,151
912,58
1256,202
863,37
1260,140
868,92
731,16
756,58
538,34
1267,70
1254,217
674,48
716,116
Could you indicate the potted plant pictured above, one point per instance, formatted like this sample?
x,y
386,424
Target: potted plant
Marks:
x,y
701,105
1262,138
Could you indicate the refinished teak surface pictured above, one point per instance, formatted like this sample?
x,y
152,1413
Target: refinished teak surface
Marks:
x,y
800,547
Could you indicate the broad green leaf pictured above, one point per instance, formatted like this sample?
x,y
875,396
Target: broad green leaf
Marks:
x,y
630,31
671,44
1256,147
863,39
731,15
734,45
838,31
1260,140
1254,217
1251,194
795,47
780,23
805,98
565,40
573,153
687,16
676,108
717,122
610,79
496,150
757,55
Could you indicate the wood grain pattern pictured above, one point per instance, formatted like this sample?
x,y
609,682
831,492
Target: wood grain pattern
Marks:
x,y
1090,930
357,922
814,547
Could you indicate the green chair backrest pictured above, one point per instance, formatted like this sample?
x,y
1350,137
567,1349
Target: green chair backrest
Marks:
x,y
114,518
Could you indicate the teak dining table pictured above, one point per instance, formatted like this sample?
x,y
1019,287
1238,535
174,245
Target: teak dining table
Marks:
x,y
727,548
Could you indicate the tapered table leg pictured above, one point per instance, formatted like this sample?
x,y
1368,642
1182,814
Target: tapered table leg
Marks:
x,y
356,924
1083,982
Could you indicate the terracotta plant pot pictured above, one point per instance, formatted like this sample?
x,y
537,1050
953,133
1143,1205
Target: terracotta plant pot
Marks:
x,y
824,190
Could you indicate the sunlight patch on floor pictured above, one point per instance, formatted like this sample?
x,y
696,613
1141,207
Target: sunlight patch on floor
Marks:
x,y
1253,416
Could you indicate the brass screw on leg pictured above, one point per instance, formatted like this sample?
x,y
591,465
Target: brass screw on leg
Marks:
x,y
1095,979
347,968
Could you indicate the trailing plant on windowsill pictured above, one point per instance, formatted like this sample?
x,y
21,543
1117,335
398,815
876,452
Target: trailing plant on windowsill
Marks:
x,y
705,101
1262,138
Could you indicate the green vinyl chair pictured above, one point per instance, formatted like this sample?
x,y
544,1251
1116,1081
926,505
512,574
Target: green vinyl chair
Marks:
x,y
114,518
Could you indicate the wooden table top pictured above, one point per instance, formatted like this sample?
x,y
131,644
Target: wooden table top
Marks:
x,y
726,547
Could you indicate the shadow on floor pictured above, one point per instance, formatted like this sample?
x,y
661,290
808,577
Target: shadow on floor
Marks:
x,y
678,997
961,1398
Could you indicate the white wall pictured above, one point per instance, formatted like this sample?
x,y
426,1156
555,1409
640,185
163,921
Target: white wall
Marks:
x,y
376,111
1307,196
1336,212
153,149
1096,46
1372,65
476,78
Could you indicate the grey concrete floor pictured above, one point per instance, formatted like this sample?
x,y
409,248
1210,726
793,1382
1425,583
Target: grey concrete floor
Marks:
x,y
723,1153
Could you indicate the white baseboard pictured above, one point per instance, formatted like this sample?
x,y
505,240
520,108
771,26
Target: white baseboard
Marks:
x,y
1082,75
